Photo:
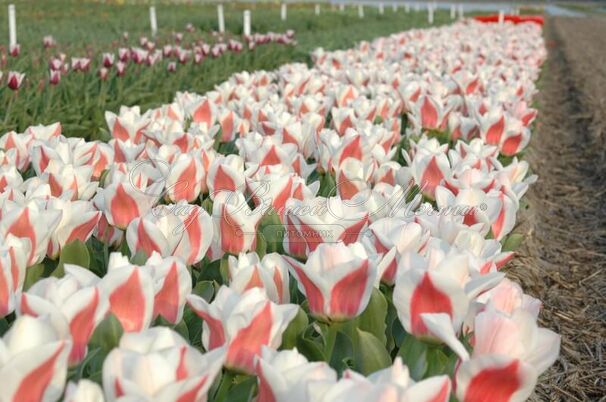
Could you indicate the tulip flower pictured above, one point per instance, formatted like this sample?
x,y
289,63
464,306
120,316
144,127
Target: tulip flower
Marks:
x,y
48,41
235,223
33,223
243,324
515,140
225,174
180,230
174,371
492,126
202,111
390,384
13,260
9,177
172,283
420,291
78,221
186,178
121,203
83,391
120,69
289,376
352,177
45,133
14,80
67,181
475,205
54,77
429,113
428,167
33,362
270,273
80,63
404,236
16,145
131,293
108,60
77,297
318,220
107,233
103,73
55,64
128,124
508,297
509,353
337,280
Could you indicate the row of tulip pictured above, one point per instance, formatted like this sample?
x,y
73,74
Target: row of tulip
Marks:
x,y
310,234
145,54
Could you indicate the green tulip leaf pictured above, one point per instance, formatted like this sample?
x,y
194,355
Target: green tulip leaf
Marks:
x,y
75,253
370,354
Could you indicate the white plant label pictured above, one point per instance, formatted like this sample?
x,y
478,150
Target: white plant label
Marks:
x,y
153,22
220,18
12,26
246,22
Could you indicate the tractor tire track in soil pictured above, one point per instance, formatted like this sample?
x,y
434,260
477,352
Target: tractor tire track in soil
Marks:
x,y
563,260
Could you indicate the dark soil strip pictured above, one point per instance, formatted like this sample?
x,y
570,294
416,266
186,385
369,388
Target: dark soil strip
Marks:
x,y
563,261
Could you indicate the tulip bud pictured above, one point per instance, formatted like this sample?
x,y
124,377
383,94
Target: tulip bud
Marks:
x,y
15,80
54,77
103,73
48,41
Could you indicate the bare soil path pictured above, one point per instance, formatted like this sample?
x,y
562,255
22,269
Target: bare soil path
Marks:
x,y
563,261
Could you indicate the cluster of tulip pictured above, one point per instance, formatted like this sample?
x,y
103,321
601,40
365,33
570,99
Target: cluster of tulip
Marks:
x,y
147,53
323,233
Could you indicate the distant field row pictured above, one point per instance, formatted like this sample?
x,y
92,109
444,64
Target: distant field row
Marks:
x,y
89,29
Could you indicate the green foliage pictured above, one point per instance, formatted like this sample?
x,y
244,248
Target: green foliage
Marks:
x,y
512,242
75,253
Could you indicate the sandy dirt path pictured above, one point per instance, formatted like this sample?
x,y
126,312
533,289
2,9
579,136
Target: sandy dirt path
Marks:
x,y
563,261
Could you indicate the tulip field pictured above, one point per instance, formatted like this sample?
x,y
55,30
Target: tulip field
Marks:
x,y
313,212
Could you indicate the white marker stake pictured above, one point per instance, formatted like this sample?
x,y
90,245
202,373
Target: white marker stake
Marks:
x,y
381,9
152,20
221,18
461,12
317,9
283,12
453,12
12,26
501,17
407,7
360,11
394,7
246,22
341,7
430,14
